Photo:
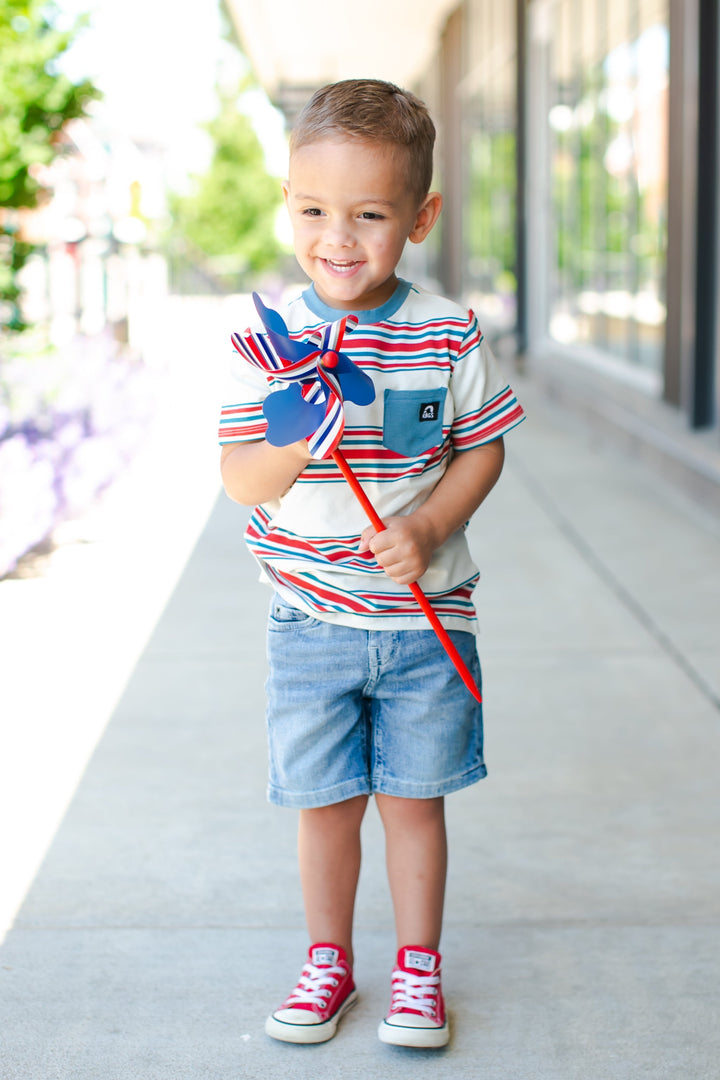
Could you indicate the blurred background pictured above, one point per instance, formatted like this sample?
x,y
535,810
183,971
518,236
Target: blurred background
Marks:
x,y
141,152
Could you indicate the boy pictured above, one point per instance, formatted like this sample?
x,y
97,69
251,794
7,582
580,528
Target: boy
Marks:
x,y
362,698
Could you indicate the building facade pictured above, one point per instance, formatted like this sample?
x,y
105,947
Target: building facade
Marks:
x,y
581,155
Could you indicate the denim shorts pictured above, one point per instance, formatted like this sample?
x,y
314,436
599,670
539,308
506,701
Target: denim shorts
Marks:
x,y
351,712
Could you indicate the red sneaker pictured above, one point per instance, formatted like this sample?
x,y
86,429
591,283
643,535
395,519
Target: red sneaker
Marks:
x,y
417,1009
323,995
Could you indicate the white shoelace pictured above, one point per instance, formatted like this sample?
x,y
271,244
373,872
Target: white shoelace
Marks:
x,y
315,986
417,992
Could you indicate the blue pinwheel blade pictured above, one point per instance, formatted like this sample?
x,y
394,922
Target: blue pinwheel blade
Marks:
x,y
290,417
271,319
356,386
288,348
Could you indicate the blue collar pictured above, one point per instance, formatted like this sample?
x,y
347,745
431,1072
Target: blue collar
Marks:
x,y
372,315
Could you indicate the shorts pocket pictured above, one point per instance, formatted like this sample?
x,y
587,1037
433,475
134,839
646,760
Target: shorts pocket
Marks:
x,y
413,420
284,616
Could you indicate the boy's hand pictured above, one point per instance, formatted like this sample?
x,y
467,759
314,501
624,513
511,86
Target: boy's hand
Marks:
x,y
403,549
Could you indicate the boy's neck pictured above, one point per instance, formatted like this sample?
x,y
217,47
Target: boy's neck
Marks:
x,y
367,315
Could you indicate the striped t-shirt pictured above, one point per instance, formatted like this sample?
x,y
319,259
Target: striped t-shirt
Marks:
x,y
438,390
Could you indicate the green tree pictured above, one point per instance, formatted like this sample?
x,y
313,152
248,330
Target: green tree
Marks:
x,y
36,101
229,215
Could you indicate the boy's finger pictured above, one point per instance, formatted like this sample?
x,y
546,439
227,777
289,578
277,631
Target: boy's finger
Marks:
x,y
365,537
381,541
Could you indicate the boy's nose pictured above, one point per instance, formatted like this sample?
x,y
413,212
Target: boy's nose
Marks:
x,y
338,235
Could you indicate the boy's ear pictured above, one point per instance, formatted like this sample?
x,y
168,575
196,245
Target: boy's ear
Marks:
x,y
426,217
286,190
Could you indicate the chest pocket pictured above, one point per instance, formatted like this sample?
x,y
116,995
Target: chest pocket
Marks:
x,y
413,420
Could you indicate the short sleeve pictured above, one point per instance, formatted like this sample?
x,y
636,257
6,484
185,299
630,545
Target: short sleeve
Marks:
x,y
485,405
241,415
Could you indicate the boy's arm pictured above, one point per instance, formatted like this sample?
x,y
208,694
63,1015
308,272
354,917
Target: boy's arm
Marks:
x,y
256,472
406,546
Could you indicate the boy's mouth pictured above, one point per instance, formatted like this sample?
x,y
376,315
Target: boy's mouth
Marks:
x,y
342,267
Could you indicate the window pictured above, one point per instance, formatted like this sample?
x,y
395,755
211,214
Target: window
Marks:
x,y
608,109
489,95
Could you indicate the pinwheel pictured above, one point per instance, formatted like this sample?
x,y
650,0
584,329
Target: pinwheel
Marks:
x,y
319,378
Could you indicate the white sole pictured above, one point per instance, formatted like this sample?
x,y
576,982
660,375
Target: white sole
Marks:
x,y
420,1037
309,1033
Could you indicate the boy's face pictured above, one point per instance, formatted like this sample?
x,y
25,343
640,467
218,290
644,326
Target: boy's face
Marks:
x,y
351,214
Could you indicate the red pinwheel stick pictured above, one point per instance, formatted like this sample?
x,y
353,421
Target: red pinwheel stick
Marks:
x,y
417,592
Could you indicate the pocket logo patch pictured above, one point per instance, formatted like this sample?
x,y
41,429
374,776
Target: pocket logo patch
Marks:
x,y
429,410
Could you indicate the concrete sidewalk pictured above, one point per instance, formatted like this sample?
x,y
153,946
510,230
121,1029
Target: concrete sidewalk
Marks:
x,y
582,936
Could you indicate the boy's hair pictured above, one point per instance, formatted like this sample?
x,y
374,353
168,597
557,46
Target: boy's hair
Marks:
x,y
376,111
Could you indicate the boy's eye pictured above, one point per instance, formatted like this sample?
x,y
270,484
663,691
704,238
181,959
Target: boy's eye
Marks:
x,y
312,211
369,215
